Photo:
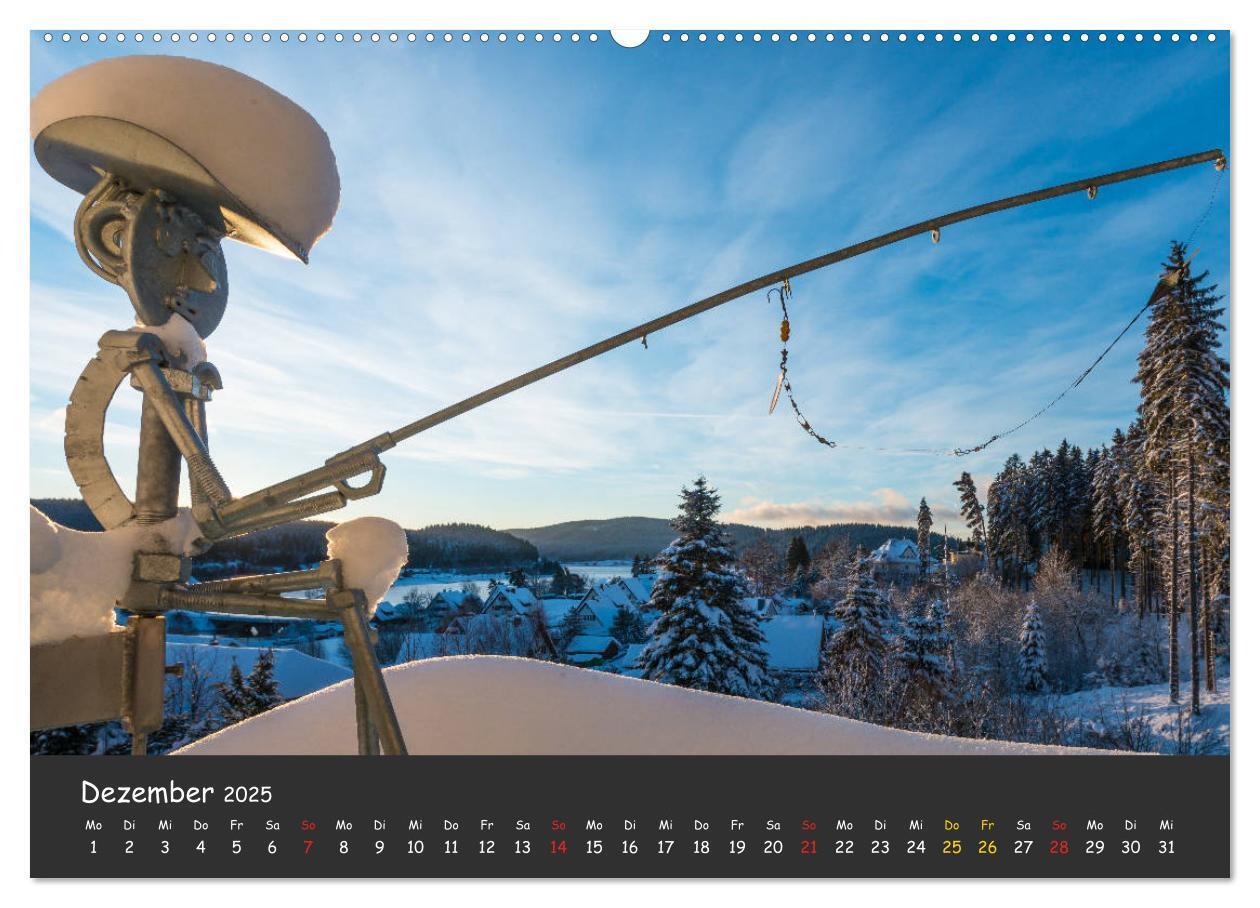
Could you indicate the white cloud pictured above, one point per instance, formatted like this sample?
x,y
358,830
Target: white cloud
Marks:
x,y
885,505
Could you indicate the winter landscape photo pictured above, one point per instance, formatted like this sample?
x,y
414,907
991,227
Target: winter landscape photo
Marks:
x,y
718,394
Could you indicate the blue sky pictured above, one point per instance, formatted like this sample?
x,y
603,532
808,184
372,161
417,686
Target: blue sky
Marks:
x,y
503,205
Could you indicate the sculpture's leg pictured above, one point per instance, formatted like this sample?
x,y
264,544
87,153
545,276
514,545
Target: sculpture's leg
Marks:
x,y
145,660
377,706
369,740
158,471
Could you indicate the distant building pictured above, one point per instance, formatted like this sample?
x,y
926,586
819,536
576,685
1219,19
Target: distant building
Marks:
x,y
630,592
586,648
510,600
897,561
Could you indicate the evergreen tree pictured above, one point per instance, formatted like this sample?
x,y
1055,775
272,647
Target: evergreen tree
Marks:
x,y
1011,518
1032,651
925,538
706,637
972,512
923,657
517,578
1108,522
234,701
571,627
854,660
627,626
1185,410
241,697
560,581
797,556
264,690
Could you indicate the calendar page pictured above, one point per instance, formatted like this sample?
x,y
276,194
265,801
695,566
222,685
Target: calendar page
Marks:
x,y
707,453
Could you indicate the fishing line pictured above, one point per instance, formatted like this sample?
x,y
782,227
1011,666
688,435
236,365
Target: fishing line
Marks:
x,y
1164,286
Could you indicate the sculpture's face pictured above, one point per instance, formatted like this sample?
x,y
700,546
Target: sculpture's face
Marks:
x,y
163,255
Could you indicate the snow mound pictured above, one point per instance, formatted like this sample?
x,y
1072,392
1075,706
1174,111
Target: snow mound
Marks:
x,y
179,338
372,550
77,578
507,705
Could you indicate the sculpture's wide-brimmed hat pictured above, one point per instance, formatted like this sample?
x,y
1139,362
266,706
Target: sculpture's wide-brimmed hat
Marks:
x,y
240,154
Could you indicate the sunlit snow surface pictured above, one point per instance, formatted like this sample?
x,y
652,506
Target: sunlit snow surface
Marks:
x,y
506,705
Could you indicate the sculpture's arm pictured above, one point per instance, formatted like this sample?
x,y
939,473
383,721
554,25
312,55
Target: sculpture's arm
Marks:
x,y
216,511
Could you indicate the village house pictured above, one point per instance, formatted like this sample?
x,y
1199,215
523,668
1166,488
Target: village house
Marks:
x,y
585,649
897,561
510,600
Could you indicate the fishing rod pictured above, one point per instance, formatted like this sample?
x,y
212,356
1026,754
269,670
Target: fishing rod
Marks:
x,y
283,500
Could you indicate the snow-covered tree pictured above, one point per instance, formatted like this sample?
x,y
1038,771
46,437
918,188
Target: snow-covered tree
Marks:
x,y
1032,650
923,659
570,626
1185,411
972,511
925,537
853,667
627,626
264,690
706,637
1108,518
233,696
241,697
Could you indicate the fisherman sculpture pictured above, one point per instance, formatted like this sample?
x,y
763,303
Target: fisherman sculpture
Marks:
x,y
173,156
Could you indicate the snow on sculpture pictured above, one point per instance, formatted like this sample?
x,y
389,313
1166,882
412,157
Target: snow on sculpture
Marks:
x,y
77,578
372,550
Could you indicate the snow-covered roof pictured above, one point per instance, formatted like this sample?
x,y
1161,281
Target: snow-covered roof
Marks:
x,y
898,551
452,598
793,642
555,609
518,598
591,644
611,594
605,612
297,674
502,705
640,587
628,660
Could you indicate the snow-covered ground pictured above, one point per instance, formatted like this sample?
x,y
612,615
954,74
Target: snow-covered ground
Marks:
x,y
296,674
1143,716
506,705
429,582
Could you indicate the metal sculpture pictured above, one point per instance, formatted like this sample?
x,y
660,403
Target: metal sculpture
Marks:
x,y
159,200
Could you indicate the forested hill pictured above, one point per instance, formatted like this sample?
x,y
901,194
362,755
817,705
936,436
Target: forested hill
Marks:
x,y
622,538
454,546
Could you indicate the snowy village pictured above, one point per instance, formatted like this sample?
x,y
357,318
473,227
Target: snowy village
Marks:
x,y
947,559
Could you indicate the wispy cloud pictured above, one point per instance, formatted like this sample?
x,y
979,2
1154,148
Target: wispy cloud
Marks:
x,y
884,506
501,210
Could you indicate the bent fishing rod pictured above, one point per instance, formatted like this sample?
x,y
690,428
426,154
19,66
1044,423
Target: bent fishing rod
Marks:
x,y
283,502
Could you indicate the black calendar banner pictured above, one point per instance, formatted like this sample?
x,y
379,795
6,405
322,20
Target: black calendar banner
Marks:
x,y
641,817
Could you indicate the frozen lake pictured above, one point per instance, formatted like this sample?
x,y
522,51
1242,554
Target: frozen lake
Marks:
x,y
429,583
